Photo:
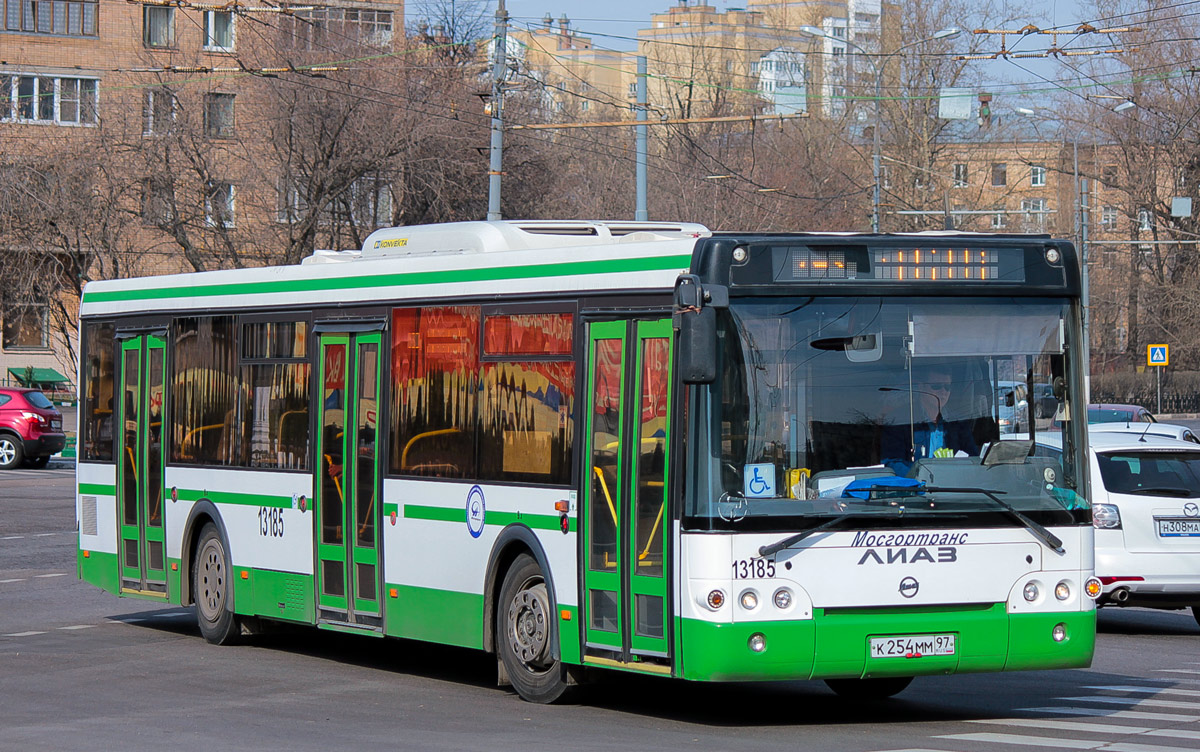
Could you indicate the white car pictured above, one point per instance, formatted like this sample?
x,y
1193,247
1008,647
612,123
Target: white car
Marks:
x,y
1169,430
1146,511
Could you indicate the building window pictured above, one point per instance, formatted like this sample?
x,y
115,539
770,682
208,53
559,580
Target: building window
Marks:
x,y
66,101
1037,176
633,89
1108,218
158,26
322,27
218,204
1035,212
1145,220
157,201
584,105
218,30
62,18
999,218
218,115
25,327
960,175
999,174
159,107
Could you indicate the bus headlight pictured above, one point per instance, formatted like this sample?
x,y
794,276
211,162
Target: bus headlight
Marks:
x,y
1062,591
1031,592
749,600
1060,632
783,599
1106,516
758,642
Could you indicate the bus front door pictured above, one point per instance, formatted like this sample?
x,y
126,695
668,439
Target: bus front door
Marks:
x,y
138,416
347,489
626,516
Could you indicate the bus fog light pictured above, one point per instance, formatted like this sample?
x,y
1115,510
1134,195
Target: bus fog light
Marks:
x,y
716,599
783,598
1062,591
1031,592
1060,632
749,600
758,642
1093,588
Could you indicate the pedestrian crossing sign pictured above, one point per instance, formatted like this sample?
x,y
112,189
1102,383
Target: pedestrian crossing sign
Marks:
x,y
1158,355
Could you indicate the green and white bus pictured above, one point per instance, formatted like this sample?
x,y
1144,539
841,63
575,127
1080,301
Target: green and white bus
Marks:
x,y
635,446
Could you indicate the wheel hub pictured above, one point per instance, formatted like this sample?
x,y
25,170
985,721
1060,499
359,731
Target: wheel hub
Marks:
x,y
212,582
7,451
528,620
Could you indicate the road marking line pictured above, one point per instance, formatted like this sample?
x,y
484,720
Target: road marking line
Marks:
x,y
1127,747
12,537
1032,741
1105,712
176,613
56,574
1094,728
19,579
130,621
1175,733
1132,701
1152,690
23,634
1177,671
79,626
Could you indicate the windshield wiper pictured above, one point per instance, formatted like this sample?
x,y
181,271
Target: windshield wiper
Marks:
x,y
1050,539
791,540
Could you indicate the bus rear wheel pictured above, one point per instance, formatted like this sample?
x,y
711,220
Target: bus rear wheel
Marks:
x,y
524,634
869,689
210,588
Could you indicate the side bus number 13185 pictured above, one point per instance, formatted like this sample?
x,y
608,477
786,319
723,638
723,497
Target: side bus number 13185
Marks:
x,y
270,522
753,569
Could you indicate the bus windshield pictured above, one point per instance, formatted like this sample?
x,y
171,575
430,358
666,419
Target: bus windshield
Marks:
x,y
827,405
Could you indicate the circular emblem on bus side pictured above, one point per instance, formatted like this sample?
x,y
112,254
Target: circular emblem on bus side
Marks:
x,y
909,587
476,510
1191,510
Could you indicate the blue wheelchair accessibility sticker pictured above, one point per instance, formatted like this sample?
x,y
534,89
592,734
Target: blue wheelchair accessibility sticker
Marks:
x,y
759,480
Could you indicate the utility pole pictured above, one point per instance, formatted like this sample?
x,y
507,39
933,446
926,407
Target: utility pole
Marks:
x,y
496,152
1086,297
642,213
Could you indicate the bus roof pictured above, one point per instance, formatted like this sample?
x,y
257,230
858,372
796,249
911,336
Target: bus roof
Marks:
x,y
429,261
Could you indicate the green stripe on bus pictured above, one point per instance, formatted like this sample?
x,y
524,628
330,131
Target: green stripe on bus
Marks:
x,y
97,489
458,514
225,497
564,269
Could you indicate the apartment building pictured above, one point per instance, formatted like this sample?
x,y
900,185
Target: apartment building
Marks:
x,y
171,98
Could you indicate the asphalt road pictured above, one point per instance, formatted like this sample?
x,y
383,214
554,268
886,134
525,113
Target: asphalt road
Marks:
x,y
84,670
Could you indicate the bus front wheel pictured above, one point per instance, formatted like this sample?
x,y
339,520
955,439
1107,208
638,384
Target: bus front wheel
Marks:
x,y
524,634
210,588
869,689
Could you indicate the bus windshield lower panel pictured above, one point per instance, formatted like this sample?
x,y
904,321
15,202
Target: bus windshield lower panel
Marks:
x,y
923,412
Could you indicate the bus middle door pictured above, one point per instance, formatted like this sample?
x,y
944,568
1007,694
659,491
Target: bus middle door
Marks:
x,y
347,487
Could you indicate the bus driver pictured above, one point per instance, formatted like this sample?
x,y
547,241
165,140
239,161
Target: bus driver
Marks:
x,y
929,434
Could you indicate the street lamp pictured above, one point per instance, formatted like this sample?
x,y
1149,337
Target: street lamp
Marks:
x,y
878,68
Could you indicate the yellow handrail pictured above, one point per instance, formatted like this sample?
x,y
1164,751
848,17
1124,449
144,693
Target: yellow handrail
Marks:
x,y
650,540
418,437
607,496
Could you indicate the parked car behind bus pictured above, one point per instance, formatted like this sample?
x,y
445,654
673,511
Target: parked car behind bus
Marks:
x,y
30,428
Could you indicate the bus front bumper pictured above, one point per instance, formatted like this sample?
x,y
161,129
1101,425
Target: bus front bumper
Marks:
x,y
836,644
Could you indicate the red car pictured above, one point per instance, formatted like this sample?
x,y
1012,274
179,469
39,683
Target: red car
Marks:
x,y
30,428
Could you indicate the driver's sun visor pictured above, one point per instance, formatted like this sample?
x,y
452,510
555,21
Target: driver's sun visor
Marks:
x,y
986,330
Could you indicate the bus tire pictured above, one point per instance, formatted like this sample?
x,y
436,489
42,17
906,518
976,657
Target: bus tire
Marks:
x,y
524,634
211,584
869,689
